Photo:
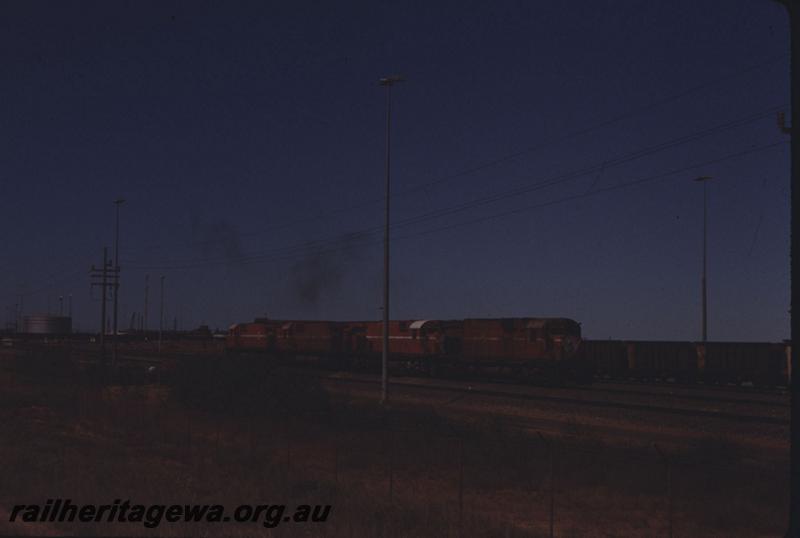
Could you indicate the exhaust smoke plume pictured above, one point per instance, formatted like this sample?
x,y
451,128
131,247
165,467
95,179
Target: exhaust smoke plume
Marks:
x,y
322,272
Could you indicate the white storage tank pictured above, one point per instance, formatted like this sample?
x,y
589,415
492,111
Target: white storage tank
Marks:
x,y
46,324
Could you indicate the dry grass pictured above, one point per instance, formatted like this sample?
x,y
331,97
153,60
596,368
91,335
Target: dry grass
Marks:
x,y
242,433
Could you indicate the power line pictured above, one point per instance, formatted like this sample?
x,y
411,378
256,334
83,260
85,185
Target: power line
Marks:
x,y
611,188
610,163
259,258
502,159
46,273
67,277
300,248
525,189
602,124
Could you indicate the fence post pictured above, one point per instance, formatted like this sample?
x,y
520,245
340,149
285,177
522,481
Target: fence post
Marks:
x,y
189,432
668,469
460,486
63,472
391,464
251,435
336,461
216,441
551,458
288,455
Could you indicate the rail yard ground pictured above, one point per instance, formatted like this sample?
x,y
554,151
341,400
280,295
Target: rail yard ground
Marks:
x,y
446,458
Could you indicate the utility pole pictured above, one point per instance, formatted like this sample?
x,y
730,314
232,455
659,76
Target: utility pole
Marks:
x,y
70,305
161,322
103,307
117,203
102,273
793,10
793,7
387,82
61,306
704,180
146,291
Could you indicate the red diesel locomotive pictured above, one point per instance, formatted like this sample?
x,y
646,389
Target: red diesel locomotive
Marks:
x,y
525,346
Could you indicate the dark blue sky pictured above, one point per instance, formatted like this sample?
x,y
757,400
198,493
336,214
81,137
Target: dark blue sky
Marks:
x,y
248,140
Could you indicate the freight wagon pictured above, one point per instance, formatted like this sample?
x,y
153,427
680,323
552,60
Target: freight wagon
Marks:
x,y
759,363
755,362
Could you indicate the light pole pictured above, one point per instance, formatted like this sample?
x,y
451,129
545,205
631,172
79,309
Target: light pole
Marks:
x,y
704,180
146,292
387,82
161,319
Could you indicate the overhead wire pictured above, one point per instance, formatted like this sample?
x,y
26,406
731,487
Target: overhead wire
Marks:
x,y
260,258
485,165
525,189
340,243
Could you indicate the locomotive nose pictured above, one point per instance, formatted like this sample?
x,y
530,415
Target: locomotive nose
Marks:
x,y
570,344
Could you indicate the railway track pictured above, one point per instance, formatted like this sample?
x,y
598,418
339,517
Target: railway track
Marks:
x,y
556,396
700,393
694,386
691,391
756,397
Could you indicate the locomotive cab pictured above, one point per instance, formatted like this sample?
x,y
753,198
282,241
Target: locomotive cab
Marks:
x,y
564,336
